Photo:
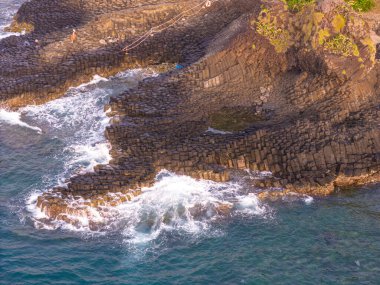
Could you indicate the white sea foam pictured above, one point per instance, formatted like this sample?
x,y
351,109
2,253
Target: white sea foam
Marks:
x,y
4,35
297,197
81,109
14,118
175,203
79,120
250,204
308,199
96,79
218,132
90,155
31,202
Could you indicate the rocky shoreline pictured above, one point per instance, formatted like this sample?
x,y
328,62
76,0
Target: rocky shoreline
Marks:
x,y
261,88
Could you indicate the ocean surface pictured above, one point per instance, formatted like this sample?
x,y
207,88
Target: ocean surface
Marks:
x,y
171,234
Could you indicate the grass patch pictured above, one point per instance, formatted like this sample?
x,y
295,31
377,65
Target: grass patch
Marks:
x,y
342,45
278,37
361,5
233,119
297,5
358,5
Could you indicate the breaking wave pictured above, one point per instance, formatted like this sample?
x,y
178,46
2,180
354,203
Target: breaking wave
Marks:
x,y
174,204
184,205
14,118
4,35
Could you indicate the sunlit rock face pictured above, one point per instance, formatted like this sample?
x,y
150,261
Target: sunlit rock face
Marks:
x,y
328,36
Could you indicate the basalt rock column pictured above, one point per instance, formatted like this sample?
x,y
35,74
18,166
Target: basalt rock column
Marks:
x,y
44,63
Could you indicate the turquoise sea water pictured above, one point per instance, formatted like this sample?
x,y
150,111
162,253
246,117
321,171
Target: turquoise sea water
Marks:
x,y
171,234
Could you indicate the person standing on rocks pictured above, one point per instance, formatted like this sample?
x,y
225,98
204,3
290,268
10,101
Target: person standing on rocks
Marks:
x,y
74,36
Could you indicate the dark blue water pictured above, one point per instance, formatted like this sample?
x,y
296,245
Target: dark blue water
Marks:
x,y
332,241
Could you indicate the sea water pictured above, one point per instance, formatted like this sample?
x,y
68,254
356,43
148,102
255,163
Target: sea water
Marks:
x,y
173,233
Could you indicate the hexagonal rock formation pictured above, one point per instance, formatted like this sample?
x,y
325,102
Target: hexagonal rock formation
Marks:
x,y
44,63
263,88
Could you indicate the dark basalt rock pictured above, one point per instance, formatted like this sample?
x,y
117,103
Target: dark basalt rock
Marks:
x,y
318,103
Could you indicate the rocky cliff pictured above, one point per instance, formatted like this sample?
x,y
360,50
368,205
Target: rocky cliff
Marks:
x,y
262,88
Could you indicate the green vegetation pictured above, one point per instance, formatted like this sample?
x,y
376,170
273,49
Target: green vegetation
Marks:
x,y
298,4
371,46
323,35
278,37
361,5
234,119
342,45
358,5
267,26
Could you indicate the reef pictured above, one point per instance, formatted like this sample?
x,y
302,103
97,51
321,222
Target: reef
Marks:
x,y
262,88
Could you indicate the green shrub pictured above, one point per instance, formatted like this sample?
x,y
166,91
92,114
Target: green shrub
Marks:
x,y
358,5
342,45
278,37
361,5
298,4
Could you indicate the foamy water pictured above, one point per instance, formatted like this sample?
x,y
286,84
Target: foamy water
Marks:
x,y
78,119
4,34
175,203
181,204
218,132
14,118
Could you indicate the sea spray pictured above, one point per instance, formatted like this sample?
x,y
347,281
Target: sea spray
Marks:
x,y
4,35
14,118
175,204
